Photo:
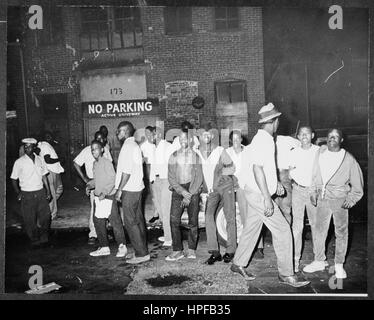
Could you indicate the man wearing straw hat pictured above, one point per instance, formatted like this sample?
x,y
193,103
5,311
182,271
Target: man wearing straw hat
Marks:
x,y
31,172
259,178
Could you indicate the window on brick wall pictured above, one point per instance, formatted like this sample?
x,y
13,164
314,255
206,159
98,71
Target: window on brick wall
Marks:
x,y
112,28
178,20
230,91
227,18
53,31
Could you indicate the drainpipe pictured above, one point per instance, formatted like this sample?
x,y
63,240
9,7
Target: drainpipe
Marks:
x,y
24,90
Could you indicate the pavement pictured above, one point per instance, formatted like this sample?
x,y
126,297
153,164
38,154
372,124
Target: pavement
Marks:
x,y
66,261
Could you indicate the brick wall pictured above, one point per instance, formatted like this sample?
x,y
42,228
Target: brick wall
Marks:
x,y
49,70
206,56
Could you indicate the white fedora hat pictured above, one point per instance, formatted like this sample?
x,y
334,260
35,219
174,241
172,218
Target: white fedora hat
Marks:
x,y
268,112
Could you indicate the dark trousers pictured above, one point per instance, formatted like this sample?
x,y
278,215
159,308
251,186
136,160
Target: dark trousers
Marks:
x,y
176,212
115,221
134,221
223,197
35,210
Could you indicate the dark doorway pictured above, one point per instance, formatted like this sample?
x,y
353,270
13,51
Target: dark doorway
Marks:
x,y
55,118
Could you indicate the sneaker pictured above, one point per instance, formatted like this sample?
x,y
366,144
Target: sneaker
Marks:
x,y
175,256
167,244
315,266
153,219
162,239
292,281
122,251
136,260
104,251
339,271
191,254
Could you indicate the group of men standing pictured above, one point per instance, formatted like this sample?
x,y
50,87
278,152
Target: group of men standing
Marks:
x,y
273,180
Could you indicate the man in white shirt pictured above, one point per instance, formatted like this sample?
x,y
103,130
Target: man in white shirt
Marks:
x,y
260,184
301,166
283,146
86,158
31,172
160,183
210,155
236,154
48,153
129,185
148,149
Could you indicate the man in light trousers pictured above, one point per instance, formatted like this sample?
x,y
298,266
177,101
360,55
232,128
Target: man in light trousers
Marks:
x,y
160,183
259,172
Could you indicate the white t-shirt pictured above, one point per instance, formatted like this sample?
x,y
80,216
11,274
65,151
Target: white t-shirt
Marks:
x,y
209,166
130,161
86,158
236,158
302,161
47,149
260,152
159,165
284,145
329,163
148,150
29,173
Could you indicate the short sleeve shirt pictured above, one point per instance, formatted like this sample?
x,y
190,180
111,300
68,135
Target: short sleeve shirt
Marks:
x,y
47,149
104,176
148,150
302,162
260,152
284,145
130,161
29,173
86,158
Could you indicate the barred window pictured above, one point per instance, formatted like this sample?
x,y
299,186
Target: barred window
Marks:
x,y
227,18
112,28
178,20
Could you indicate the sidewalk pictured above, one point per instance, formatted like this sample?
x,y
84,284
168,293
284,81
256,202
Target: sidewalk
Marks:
x,y
73,211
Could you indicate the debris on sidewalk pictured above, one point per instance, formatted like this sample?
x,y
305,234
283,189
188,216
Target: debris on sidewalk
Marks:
x,y
45,288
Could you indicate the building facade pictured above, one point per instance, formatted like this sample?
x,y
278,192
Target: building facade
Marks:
x,y
93,66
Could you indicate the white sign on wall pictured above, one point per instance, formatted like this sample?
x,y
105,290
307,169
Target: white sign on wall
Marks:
x,y
113,87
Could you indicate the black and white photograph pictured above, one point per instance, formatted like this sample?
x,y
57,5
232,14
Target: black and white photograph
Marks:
x,y
197,150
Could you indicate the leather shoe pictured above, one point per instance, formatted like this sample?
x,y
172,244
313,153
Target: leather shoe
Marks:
x,y
213,258
227,257
243,272
292,281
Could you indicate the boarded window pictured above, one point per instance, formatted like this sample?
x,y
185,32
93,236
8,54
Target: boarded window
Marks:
x,y
178,20
227,18
230,91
